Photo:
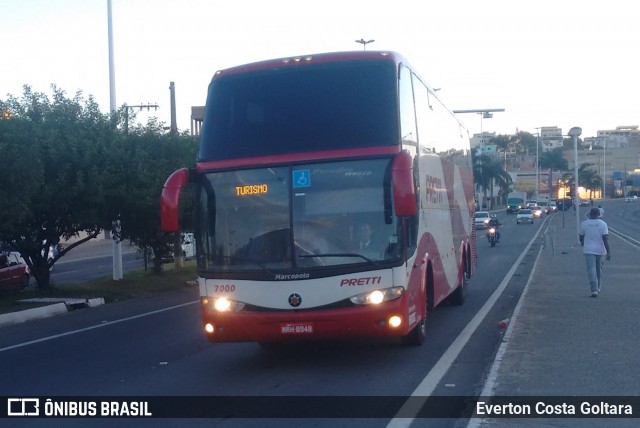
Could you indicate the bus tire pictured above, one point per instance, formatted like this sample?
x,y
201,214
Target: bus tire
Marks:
x,y
459,295
417,336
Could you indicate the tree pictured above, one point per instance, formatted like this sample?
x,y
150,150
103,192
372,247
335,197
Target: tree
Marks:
x,y
487,171
554,160
481,172
54,151
67,169
587,178
134,180
505,144
527,141
499,176
567,142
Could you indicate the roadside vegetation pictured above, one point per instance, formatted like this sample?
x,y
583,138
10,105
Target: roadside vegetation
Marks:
x,y
67,168
138,283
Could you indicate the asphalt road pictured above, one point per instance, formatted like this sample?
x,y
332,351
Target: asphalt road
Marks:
x,y
83,270
154,346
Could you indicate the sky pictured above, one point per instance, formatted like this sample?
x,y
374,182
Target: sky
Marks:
x,y
558,63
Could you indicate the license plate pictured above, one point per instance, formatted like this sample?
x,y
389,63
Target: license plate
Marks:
x,y
296,328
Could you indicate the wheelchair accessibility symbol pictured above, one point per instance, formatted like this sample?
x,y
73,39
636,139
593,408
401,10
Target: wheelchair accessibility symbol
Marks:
x,y
301,178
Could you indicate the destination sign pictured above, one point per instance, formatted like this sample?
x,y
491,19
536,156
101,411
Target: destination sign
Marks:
x,y
252,189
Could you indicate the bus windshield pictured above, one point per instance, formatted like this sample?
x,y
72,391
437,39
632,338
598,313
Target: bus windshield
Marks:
x,y
309,216
311,107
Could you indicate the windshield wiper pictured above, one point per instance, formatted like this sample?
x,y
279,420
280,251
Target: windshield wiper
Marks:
x,y
341,255
241,259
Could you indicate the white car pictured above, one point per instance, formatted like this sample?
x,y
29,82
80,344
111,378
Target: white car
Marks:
x,y
188,245
481,219
524,216
536,211
631,198
544,206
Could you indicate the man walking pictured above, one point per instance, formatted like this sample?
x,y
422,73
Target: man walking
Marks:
x,y
594,238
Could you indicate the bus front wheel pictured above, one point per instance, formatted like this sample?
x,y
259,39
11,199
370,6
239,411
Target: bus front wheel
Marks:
x,y
416,336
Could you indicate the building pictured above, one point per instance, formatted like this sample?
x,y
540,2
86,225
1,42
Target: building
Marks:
x,y
622,136
479,140
197,117
550,138
614,164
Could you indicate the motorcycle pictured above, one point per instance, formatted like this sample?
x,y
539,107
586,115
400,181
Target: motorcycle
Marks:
x,y
492,236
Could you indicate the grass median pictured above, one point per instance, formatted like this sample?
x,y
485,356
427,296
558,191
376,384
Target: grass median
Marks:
x,y
138,283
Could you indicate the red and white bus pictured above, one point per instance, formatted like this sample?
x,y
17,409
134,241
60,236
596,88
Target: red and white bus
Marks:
x,y
302,158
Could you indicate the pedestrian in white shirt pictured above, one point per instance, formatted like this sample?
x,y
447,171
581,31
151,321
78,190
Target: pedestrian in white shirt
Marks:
x,y
594,238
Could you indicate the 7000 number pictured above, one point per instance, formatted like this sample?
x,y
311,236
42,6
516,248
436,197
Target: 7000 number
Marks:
x,y
225,288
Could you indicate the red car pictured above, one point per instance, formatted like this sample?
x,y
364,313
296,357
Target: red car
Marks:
x,y
14,272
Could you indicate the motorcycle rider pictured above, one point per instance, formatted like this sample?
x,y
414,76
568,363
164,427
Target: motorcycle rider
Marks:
x,y
495,223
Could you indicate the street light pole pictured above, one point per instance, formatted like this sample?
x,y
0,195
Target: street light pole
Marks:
x,y
575,133
117,244
364,43
486,113
537,165
604,168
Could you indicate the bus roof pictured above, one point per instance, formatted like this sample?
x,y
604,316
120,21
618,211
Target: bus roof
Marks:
x,y
318,58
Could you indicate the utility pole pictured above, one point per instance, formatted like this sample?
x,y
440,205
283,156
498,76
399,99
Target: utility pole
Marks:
x,y
486,113
140,106
173,130
174,125
574,133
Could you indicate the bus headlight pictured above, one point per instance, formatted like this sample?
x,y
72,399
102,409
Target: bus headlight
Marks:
x,y
376,297
222,304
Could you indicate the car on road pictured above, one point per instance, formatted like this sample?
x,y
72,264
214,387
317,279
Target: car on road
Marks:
x,y
482,219
544,206
536,211
14,272
553,207
524,216
633,198
188,245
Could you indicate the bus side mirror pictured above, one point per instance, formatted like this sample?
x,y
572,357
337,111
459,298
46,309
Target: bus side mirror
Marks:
x,y
169,200
404,191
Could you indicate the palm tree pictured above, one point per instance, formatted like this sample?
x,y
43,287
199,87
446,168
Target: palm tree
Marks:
x,y
499,176
487,172
481,172
587,178
553,159
506,143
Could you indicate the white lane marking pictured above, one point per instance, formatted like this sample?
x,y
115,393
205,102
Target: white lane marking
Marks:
x,y
104,324
624,237
430,382
490,384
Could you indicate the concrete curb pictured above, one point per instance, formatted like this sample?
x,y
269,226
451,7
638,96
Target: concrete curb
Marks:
x,y
31,314
58,306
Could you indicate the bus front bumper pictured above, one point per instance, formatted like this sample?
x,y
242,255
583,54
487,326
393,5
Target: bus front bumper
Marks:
x,y
384,320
